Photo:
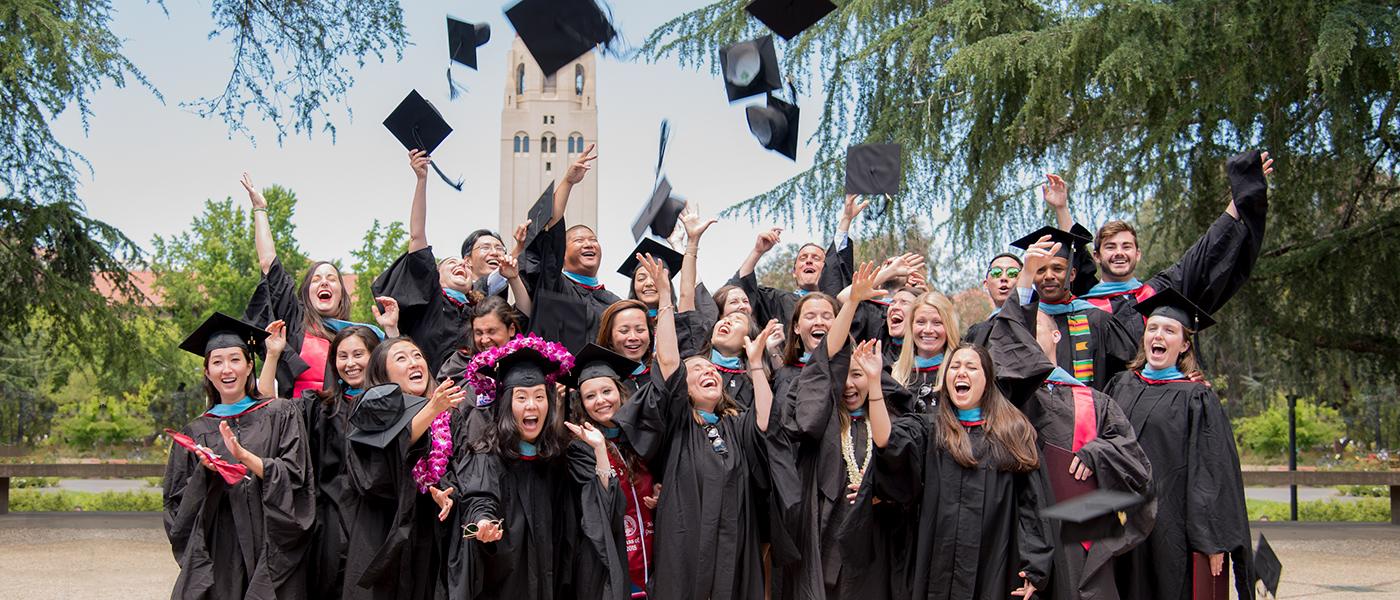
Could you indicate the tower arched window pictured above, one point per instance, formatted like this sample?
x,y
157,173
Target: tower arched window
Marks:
x,y
575,143
517,144
549,144
520,79
522,143
578,80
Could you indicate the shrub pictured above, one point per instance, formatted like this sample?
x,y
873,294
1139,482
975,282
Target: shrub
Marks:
x,y
91,419
1361,510
33,482
1365,491
1267,433
28,500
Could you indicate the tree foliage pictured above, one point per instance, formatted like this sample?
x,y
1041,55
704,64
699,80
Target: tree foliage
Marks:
x,y
1138,104
382,245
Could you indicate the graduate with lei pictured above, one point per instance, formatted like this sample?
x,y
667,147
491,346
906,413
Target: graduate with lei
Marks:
x,y
246,538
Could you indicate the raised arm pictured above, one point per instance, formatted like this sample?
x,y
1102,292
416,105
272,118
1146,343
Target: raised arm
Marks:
x,y
765,242
762,392
694,228
418,214
868,355
274,345
572,176
262,230
1056,194
862,289
510,269
668,353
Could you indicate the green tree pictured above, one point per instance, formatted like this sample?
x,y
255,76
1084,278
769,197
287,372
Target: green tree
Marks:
x,y
382,246
1138,105
213,266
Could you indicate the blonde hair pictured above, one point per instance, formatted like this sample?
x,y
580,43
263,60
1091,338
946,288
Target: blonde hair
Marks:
x,y
903,369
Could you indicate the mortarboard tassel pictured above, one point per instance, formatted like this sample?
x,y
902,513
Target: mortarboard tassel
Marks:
x,y
457,185
453,88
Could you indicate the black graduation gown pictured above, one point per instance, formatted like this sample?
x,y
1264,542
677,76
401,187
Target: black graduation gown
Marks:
x,y
977,527
1197,483
560,526
1110,345
769,303
707,525
1114,456
249,540
438,324
979,333
325,433
564,311
394,549
815,512
276,298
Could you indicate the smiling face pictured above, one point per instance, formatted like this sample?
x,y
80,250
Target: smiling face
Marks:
x,y
1001,278
927,330
630,335
453,274
1118,255
582,254
530,407
484,256
853,394
807,268
325,290
1052,280
488,331
703,383
644,288
351,361
601,397
228,369
813,321
729,334
736,301
1163,341
898,312
965,378
407,367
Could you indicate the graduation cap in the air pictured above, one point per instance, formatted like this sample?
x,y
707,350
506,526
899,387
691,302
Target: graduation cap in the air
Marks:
x,y
596,361
559,31
463,38
660,213
540,214
750,68
222,331
381,413
1067,240
1267,567
775,125
789,17
1092,505
1171,304
418,126
657,250
874,169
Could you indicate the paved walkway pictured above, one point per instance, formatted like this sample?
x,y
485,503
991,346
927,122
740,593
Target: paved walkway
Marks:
x,y
121,556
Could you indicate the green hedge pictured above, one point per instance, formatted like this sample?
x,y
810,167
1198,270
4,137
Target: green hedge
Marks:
x,y
1360,510
28,500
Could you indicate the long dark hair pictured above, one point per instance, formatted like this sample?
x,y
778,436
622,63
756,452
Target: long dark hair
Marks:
x,y
1010,436
792,349
378,371
605,325
632,289
250,385
631,461
503,438
310,319
722,295
332,388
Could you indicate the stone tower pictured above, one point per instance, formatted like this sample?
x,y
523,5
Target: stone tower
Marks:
x,y
546,123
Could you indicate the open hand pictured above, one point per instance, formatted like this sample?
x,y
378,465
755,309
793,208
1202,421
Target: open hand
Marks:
x,y
1054,191
855,204
447,396
754,347
387,317
254,196
510,267
863,284
240,453
1027,588
867,356
581,167
651,500
694,225
660,275
276,340
1039,254
519,236
1268,163
587,433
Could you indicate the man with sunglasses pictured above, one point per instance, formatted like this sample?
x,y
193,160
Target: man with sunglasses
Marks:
x,y
1000,279
1208,273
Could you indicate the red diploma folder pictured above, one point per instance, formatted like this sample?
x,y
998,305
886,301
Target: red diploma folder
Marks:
x,y
231,472
1062,483
1205,586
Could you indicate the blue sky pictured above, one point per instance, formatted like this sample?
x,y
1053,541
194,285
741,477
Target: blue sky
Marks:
x,y
154,164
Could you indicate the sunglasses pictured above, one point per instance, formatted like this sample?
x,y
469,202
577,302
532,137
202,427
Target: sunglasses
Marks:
x,y
997,272
469,530
716,442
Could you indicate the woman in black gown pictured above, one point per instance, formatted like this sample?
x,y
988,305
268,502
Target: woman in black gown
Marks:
x,y
248,539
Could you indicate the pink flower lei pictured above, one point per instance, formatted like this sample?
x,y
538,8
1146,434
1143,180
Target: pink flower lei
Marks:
x,y
485,386
430,469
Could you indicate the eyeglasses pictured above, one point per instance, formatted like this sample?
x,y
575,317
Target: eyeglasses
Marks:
x,y
716,442
489,248
996,272
469,530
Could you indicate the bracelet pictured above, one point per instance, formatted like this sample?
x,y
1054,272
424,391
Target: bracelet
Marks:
x,y
261,209
662,309
873,399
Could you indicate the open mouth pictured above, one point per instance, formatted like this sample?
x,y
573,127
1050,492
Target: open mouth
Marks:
x,y
962,387
818,333
589,253
530,422
352,372
724,329
930,340
896,318
709,382
632,346
230,380
416,375
324,295
809,270
1157,350
495,263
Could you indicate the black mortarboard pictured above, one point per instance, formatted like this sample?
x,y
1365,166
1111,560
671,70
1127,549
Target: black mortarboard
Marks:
x,y
1092,505
558,31
222,331
596,361
1171,304
775,125
540,214
749,68
657,250
525,367
381,413
419,126
660,214
873,169
1066,239
463,38
1267,567
789,17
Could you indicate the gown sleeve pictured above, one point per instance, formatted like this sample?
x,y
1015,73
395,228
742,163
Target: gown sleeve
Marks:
x,y
692,332
288,494
1086,272
653,411
839,268
764,299
899,466
1115,457
476,477
186,485
1215,518
276,298
413,281
1032,544
1021,366
600,565
815,394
